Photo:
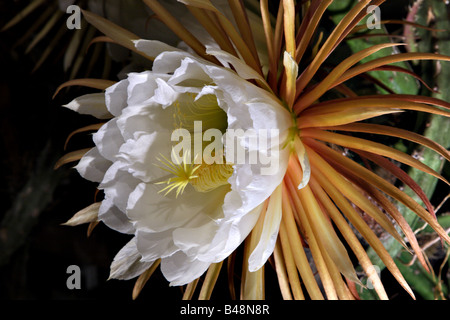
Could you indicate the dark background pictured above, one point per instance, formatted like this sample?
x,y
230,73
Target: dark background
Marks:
x,y
35,250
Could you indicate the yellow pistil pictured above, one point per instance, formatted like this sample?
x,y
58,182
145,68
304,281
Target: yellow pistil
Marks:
x,y
211,176
182,172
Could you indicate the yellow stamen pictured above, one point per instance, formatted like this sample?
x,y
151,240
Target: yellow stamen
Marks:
x,y
203,177
183,173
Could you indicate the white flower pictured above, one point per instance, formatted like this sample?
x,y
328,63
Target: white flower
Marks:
x,y
190,231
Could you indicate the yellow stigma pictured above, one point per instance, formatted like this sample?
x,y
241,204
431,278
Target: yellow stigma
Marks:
x,y
182,172
203,177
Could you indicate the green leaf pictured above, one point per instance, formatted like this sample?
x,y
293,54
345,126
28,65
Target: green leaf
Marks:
x,y
438,130
422,282
396,81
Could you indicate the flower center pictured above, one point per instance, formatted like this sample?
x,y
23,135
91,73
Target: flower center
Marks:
x,y
204,177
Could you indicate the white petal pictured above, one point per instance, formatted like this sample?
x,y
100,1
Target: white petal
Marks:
x,y
251,108
155,245
127,263
145,118
140,155
189,73
118,184
242,69
142,86
114,218
192,240
269,234
169,61
92,104
230,233
108,139
92,166
165,95
180,270
252,188
198,233
155,212
304,162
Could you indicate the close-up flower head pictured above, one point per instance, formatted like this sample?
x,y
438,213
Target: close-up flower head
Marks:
x,y
296,147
